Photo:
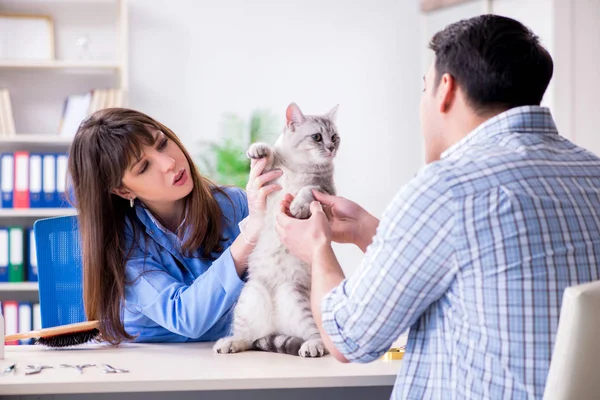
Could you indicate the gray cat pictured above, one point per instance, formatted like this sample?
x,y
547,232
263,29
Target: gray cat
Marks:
x,y
273,312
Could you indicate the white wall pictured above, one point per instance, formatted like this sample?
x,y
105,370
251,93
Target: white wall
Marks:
x,y
194,60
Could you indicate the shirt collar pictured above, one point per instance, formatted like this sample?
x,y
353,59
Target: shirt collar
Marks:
x,y
142,212
525,119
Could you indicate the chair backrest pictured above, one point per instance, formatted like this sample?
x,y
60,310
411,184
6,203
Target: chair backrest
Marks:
x,y
575,366
58,250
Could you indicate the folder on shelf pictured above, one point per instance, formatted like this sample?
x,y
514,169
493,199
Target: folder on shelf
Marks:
x,y
25,321
11,319
16,270
7,177
35,181
21,185
3,255
32,270
61,180
75,110
49,180
37,316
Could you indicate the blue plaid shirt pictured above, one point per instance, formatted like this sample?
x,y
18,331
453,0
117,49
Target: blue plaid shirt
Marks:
x,y
473,255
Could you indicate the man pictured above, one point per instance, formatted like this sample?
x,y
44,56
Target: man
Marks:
x,y
474,253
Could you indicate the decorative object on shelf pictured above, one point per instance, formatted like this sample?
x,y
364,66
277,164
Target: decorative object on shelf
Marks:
x,y
432,5
83,47
26,37
226,163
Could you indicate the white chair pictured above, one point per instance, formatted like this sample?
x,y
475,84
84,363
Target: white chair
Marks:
x,y
575,366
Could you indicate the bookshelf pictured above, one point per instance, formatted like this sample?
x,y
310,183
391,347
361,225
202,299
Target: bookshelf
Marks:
x,y
39,88
109,66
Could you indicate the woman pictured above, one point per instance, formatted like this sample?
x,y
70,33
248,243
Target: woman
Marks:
x,y
163,259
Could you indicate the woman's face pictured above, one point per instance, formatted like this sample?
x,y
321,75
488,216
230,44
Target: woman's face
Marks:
x,y
161,175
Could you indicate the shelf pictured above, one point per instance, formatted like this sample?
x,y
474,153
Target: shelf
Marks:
x,y
61,64
18,286
32,138
36,212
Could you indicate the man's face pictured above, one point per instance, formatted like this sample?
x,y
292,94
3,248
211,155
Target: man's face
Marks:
x,y
431,117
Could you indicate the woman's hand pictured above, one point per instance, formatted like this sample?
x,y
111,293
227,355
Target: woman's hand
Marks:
x,y
258,188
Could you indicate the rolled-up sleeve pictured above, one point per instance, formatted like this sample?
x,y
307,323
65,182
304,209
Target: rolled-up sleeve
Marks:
x,y
410,264
187,310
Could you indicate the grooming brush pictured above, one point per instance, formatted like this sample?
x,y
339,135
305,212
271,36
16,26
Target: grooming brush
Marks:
x,y
61,336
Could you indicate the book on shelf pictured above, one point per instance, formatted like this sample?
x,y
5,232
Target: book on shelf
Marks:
x,y
77,107
7,120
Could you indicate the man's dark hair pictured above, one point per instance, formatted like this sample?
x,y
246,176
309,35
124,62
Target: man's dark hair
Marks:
x,y
498,62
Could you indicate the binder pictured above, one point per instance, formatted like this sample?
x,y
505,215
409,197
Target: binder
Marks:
x,y
37,317
35,181
21,188
32,270
61,180
11,319
7,177
49,180
3,255
16,270
25,321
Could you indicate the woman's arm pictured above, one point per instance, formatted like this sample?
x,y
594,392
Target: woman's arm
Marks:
x,y
187,310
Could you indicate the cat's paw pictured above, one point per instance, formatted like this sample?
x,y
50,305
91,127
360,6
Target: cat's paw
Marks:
x,y
231,345
300,210
258,150
312,348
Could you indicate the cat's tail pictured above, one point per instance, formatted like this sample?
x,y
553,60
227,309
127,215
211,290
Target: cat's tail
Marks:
x,y
276,343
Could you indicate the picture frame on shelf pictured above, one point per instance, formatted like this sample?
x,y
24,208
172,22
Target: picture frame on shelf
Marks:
x,y
26,37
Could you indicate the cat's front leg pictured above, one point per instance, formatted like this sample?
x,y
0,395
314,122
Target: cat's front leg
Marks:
x,y
256,151
300,207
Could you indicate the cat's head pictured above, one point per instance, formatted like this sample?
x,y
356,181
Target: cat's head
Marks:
x,y
314,137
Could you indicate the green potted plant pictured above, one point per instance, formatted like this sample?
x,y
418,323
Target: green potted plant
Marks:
x,y
226,162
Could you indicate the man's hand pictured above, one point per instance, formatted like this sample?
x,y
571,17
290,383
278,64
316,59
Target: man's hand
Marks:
x,y
350,223
305,237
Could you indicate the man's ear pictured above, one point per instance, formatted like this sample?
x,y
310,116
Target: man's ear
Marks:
x,y
446,92
123,192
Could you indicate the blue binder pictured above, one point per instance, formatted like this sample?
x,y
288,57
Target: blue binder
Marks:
x,y
49,180
7,179
36,199
4,255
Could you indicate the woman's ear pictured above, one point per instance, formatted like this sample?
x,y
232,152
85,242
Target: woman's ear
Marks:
x,y
123,192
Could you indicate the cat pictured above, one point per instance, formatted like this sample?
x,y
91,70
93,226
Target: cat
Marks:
x,y
273,312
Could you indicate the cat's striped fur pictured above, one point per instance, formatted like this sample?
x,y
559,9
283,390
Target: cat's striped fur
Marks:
x,y
273,312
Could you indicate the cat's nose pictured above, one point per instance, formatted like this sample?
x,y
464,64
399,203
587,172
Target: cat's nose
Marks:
x,y
331,148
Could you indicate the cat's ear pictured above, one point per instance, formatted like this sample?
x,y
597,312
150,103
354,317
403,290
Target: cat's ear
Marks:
x,y
293,115
331,115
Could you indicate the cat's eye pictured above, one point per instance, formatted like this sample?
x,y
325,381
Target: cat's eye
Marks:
x,y
317,137
334,138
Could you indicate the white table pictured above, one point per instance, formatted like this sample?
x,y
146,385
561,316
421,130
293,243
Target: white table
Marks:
x,y
189,367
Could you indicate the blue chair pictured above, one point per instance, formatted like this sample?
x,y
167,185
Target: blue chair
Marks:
x,y
58,250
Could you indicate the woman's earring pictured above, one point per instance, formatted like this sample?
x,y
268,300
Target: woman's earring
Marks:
x,y
131,202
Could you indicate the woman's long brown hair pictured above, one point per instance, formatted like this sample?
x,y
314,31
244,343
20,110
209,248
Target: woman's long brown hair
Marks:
x,y
101,151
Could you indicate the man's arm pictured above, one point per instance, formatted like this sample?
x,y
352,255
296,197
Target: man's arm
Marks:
x,y
326,275
410,264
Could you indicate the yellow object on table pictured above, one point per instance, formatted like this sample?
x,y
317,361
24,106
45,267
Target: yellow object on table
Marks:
x,y
395,353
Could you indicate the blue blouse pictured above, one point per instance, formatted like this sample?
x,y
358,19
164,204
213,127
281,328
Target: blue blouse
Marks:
x,y
165,302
